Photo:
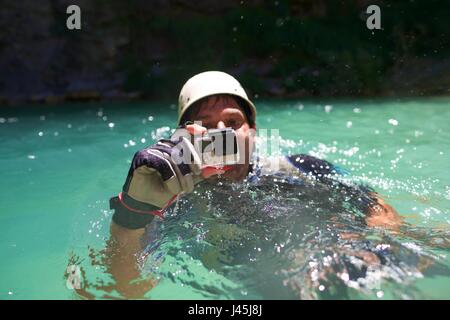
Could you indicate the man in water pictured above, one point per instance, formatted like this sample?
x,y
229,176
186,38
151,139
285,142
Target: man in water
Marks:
x,y
155,179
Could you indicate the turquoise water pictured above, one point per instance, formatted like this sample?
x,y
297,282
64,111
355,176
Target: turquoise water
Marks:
x,y
60,165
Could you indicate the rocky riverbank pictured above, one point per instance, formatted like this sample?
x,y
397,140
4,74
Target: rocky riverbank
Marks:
x,y
147,49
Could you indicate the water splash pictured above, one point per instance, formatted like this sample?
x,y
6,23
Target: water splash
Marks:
x,y
275,239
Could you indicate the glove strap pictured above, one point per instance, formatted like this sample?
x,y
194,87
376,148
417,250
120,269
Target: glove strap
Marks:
x,y
159,213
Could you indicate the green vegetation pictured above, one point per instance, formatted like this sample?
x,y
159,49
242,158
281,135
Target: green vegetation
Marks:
x,y
289,47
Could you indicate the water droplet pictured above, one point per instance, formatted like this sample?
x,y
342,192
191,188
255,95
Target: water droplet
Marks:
x,y
349,124
40,134
393,122
279,22
111,124
418,133
31,156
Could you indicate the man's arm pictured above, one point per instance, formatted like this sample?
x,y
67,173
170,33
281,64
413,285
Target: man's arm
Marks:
x,y
153,182
124,248
379,213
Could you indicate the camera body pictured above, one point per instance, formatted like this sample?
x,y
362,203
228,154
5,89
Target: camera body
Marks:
x,y
217,147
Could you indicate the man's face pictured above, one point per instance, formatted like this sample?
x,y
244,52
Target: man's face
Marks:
x,y
222,111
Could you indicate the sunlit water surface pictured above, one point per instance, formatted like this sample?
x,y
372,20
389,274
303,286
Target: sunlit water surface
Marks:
x,y
270,240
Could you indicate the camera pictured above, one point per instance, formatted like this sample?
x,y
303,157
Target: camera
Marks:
x,y
217,147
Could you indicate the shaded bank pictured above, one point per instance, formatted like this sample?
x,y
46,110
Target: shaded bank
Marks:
x,y
142,49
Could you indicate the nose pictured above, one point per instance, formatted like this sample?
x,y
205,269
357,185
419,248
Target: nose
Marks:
x,y
221,125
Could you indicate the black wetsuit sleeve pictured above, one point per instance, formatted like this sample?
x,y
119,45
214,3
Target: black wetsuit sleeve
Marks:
x,y
361,196
313,166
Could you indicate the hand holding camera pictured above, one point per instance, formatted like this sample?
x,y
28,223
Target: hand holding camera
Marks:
x,y
174,166
216,149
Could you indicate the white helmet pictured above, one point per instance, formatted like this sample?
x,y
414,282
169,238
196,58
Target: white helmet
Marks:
x,y
210,83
